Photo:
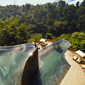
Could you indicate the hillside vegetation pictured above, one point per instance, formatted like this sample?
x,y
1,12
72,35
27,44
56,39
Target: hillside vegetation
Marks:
x,y
27,23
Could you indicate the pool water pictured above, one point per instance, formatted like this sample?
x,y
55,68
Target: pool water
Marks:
x,y
54,66
11,61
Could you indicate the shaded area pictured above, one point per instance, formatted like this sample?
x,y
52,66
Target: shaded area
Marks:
x,y
30,68
53,67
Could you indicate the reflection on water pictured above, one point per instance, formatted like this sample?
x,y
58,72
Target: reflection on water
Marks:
x,y
11,62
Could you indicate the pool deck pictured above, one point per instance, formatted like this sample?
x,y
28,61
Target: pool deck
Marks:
x,y
47,42
75,75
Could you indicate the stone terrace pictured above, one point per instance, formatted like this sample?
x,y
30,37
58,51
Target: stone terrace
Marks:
x,y
75,75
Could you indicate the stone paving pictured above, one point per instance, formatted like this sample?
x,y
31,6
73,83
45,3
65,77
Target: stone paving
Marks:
x,y
75,75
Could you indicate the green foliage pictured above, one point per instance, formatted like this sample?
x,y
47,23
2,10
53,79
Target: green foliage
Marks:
x,y
27,23
78,35
58,26
35,37
82,45
31,40
77,40
48,35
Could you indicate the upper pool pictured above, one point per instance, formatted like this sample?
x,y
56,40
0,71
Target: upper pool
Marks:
x,y
52,65
11,61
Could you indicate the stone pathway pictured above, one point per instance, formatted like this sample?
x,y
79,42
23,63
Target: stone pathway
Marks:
x,y
75,75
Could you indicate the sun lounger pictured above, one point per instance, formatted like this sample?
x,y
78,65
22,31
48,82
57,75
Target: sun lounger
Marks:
x,y
79,60
75,58
43,44
83,66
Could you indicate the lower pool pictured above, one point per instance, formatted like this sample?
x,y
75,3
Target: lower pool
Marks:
x,y
52,65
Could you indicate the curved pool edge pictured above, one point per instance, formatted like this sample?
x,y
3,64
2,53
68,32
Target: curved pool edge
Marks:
x,y
29,68
63,56
19,60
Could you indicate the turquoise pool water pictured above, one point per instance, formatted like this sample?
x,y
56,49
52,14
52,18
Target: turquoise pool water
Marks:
x,y
53,65
11,61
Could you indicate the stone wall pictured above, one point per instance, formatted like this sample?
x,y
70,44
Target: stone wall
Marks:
x,y
30,68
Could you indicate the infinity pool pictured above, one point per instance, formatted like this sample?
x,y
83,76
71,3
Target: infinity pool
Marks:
x,y
11,61
52,65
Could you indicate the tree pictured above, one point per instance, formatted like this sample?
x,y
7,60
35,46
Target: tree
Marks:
x,y
48,35
58,26
62,3
19,23
35,37
82,45
73,24
83,3
69,13
76,34
77,4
